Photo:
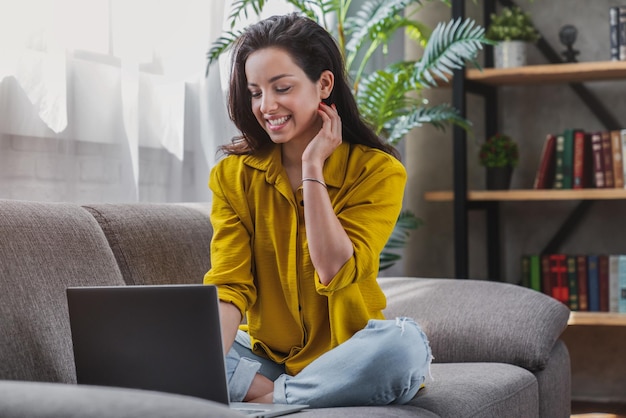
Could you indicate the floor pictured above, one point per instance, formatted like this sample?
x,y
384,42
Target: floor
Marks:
x,y
598,410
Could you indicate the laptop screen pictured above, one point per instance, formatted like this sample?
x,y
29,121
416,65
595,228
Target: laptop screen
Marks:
x,y
164,338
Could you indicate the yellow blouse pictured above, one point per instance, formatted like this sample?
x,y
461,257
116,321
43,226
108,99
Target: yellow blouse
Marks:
x,y
260,259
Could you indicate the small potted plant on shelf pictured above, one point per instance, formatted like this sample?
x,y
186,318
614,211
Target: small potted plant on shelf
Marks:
x,y
499,154
513,29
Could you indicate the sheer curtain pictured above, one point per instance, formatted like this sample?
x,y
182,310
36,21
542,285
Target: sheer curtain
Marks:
x,y
106,100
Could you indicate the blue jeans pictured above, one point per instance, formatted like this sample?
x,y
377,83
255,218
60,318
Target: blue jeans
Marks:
x,y
384,363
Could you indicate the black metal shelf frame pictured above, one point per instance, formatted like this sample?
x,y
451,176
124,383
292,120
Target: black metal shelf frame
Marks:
x,y
492,209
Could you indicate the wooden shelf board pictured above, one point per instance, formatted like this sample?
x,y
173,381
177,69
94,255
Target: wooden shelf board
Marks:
x,y
550,73
597,318
529,194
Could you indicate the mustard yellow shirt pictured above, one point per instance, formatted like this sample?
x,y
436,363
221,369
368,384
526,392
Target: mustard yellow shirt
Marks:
x,y
260,259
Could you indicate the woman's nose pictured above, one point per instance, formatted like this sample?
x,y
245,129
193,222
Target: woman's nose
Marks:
x,y
268,103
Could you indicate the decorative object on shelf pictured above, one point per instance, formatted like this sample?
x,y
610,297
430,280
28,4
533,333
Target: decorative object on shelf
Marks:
x,y
567,36
499,154
514,30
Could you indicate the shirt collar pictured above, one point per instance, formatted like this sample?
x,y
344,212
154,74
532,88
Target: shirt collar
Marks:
x,y
269,160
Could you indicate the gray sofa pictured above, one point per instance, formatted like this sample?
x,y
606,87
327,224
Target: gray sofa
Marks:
x,y
496,346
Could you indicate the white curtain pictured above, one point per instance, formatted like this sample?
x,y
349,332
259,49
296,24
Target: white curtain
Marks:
x,y
106,100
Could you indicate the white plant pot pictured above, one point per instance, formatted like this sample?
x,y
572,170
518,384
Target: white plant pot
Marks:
x,y
509,54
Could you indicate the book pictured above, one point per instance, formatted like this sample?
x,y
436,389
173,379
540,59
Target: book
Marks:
x,y
622,283
598,160
607,158
623,136
581,271
614,33
572,283
613,283
621,38
618,161
535,272
546,284
603,281
593,285
525,281
583,161
559,173
544,178
558,278
568,157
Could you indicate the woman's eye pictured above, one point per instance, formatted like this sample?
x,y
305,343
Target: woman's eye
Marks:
x,y
255,94
283,89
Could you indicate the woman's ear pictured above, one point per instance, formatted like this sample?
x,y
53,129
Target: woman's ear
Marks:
x,y
326,83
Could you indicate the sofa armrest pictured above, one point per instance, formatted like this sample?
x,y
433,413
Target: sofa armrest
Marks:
x,y
480,321
20,399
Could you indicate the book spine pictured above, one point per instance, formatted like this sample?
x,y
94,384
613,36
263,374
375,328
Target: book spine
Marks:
x,y
614,32
558,167
568,158
581,271
607,159
535,272
598,161
546,284
621,38
603,280
544,178
593,286
525,281
558,278
578,173
623,137
622,284
618,161
572,279
613,283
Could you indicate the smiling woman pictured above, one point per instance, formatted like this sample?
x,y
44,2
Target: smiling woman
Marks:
x,y
303,204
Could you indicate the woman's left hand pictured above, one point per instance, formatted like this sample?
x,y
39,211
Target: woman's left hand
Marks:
x,y
328,138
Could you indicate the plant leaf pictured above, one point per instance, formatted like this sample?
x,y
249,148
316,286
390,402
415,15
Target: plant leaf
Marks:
x,y
407,221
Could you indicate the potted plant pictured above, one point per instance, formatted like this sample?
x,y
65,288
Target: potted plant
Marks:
x,y
499,154
513,30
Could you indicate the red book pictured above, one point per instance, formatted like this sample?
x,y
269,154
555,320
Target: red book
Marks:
x,y
618,167
558,278
544,179
598,160
607,159
583,161
583,294
603,280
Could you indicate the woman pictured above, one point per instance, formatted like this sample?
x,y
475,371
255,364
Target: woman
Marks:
x,y
303,204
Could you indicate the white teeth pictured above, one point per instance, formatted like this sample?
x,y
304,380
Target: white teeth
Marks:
x,y
279,121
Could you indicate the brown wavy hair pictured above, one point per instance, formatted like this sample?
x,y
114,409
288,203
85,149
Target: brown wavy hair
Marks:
x,y
314,50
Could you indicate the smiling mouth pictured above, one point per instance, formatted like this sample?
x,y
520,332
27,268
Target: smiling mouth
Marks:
x,y
277,123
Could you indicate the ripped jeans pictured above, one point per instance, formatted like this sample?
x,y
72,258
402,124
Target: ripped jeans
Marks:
x,y
384,363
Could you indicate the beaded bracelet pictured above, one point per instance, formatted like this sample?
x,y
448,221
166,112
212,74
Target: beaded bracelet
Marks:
x,y
315,180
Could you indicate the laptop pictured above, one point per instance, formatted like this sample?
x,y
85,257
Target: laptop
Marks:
x,y
165,338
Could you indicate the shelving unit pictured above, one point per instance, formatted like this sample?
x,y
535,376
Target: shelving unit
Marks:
x,y
485,82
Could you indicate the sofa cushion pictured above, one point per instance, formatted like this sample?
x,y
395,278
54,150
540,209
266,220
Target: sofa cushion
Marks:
x,y
480,321
157,243
50,400
45,247
459,390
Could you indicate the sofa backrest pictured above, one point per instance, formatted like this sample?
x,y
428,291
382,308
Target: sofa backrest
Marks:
x,y
158,243
45,248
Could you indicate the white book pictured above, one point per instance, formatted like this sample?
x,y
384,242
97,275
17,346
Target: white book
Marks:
x,y
622,283
614,288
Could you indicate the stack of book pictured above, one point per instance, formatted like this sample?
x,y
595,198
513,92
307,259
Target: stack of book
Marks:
x,y
576,159
595,283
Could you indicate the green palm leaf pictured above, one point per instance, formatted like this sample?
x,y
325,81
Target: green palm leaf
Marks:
x,y
450,46
439,116
407,222
221,45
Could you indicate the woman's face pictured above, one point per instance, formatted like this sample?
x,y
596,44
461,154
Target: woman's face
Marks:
x,y
284,100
